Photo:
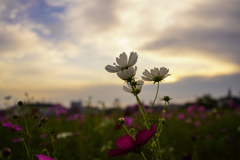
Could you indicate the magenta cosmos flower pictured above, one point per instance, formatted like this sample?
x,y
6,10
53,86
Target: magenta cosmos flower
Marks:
x,y
127,144
43,157
11,126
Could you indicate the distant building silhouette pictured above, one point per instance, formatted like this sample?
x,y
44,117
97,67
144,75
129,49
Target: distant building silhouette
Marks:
x,y
76,107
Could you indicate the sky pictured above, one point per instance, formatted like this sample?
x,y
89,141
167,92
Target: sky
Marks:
x,y
56,51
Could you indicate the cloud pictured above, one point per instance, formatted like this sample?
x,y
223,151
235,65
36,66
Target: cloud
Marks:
x,y
211,28
51,44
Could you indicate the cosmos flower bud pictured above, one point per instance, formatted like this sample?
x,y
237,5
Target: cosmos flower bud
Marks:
x,y
43,120
121,120
166,99
35,116
6,152
163,120
40,124
15,116
20,103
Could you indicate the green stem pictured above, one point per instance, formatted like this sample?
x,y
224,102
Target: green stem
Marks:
x,y
159,149
154,99
26,148
143,112
25,121
127,130
164,109
141,107
33,126
159,133
143,155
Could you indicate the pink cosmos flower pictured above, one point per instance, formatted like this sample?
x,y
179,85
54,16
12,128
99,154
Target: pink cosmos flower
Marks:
x,y
55,107
230,104
127,144
16,140
11,126
60,111
43,157
180,116
192,109
166,116
201,109
75,117
128,121
43,135
197,123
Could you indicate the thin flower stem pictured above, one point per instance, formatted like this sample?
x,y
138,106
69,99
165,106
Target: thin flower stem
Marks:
x,y
26,149
154,99
33,126
127,130
143,156
159,149
143,112
141,107
159,133
25,121
164,109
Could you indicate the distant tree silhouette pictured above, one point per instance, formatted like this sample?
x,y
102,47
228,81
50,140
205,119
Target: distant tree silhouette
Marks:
x,y
207,101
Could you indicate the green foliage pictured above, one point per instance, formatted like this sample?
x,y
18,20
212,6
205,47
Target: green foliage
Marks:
x,y
207,101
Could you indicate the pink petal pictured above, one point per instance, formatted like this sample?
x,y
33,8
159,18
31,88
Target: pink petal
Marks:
x,y
43,157
126,142
16,128
143,136
17,140
118,152
7,124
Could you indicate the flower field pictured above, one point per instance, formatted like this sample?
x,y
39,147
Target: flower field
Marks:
x,y
192,132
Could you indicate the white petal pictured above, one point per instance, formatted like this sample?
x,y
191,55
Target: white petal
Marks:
x,y
147,74
129,86
122,60
146,79
140,84
132,59
167,75
131,71
135,70
122,75
127,89
163,71
154,72
112,69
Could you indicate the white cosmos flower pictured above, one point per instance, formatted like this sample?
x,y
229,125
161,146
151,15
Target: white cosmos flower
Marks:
x,y
123,62
138,87
127,74
156,75
64,135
